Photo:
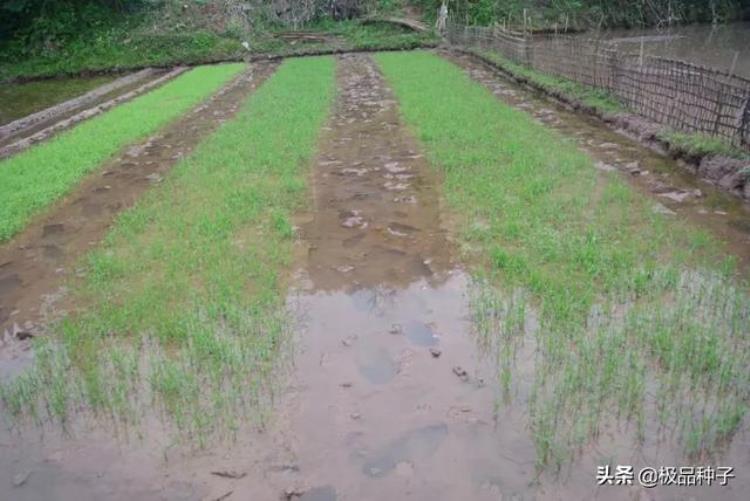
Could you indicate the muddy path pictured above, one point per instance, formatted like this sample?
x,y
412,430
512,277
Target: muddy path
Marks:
x,y
35,265
674,190
377,409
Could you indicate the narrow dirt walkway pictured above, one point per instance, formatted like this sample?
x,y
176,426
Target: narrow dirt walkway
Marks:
x,y
386,401
37,262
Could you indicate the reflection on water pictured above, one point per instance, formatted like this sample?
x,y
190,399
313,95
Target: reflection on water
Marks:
x,y
19,100
703,44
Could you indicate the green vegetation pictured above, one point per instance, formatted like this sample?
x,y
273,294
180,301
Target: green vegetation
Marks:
x,y
379,35
184,302
344,35
44,38
611,295
118,51
47,38
582,14
598,99
700,145
34,178
691,144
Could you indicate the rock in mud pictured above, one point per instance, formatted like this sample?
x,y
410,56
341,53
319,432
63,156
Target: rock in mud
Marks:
x,y
229,474
659,187
676,196
285,467
605,167
461,373
633,168
20,478
410,199
396,329
353,219
24,335
154,178
435,352
660,209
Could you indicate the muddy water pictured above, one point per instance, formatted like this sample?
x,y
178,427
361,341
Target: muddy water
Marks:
x,y
674,190
388,398
36,264
19,100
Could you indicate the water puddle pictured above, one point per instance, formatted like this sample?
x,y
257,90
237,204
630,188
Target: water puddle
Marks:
x,y
412,447
675,191
378,409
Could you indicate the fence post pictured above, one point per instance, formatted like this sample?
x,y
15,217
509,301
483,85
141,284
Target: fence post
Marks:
x,y
528,50
744,126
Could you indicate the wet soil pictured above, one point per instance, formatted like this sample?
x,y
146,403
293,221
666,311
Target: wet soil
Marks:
x,y
37,263
391,397
373,412
674,190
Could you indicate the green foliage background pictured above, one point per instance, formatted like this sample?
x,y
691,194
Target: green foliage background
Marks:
x,y
587,13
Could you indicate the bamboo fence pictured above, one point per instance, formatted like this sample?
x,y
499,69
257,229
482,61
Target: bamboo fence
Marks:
x,y
685,96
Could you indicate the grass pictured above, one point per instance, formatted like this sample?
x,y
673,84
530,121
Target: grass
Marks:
x,y
612,296
128,46
598,99
692,144
33,179
184,301
118,51
345,35
700,145
381,36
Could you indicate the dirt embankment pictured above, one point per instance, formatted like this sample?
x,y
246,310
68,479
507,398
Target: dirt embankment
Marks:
x,y
24,133
729,174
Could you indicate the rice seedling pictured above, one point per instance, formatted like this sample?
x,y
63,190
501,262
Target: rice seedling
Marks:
x,y
33,179
612,296
598,99
183,305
